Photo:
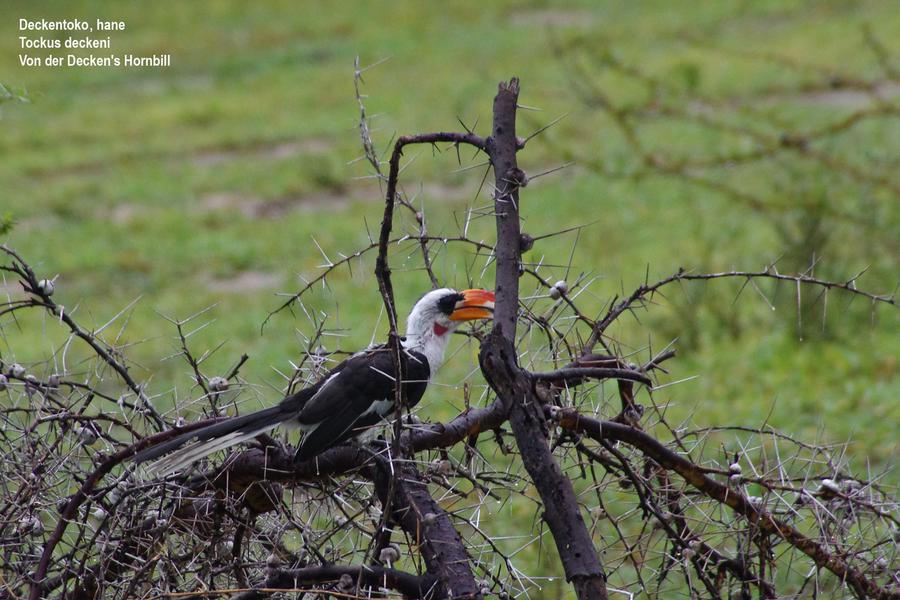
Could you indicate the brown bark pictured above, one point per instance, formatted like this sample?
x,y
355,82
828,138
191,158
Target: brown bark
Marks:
x,y
438,541
863,586
498,361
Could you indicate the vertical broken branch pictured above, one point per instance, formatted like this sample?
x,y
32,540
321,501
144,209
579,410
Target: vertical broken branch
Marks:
x,y
498,360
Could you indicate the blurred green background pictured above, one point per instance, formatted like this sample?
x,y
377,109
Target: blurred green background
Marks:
x,y
206,182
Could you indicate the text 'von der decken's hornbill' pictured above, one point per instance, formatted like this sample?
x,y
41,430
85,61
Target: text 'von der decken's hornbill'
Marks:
x,y
354,396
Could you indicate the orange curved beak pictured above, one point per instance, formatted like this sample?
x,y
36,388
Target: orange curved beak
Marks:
x,y
476,304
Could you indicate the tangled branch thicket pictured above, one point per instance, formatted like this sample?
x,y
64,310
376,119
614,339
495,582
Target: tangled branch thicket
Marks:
x,y
633,504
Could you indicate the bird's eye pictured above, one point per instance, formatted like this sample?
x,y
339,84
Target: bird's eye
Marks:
x,y
447,303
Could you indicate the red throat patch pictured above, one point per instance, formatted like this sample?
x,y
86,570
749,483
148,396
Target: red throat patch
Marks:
x,y
440,329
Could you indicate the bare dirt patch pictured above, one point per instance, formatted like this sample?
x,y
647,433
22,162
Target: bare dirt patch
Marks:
x,y
259,208
251,207
245,282
550,17
124,213
853,98
205,157
270,151
255,207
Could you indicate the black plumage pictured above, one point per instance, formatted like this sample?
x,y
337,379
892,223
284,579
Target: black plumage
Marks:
x,y
363,387
354,396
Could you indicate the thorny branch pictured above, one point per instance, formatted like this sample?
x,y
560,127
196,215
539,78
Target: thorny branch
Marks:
x,y
498,362
641,295
40,297
460,579
260,523
736,500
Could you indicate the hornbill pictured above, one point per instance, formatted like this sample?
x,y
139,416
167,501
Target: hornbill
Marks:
x,y
354,396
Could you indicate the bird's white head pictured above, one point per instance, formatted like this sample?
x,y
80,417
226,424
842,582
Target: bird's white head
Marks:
x,y
438,313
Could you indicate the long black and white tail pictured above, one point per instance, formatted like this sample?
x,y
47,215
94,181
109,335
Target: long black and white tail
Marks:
x,y
210,439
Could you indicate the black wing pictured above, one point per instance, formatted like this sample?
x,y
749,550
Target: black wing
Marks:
x,y
218,436
358,397
339,405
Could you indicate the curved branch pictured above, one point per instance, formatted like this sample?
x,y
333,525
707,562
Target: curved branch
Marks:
x,y
78,498
580,373
32,286
364,250
411,586
398,485
770,272
382,269
468,423
863,586
386,288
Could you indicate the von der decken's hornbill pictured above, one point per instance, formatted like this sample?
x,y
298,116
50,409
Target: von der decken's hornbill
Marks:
x,y
352,397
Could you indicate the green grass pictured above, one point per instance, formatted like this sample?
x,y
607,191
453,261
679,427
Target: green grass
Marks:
x,y
164,183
